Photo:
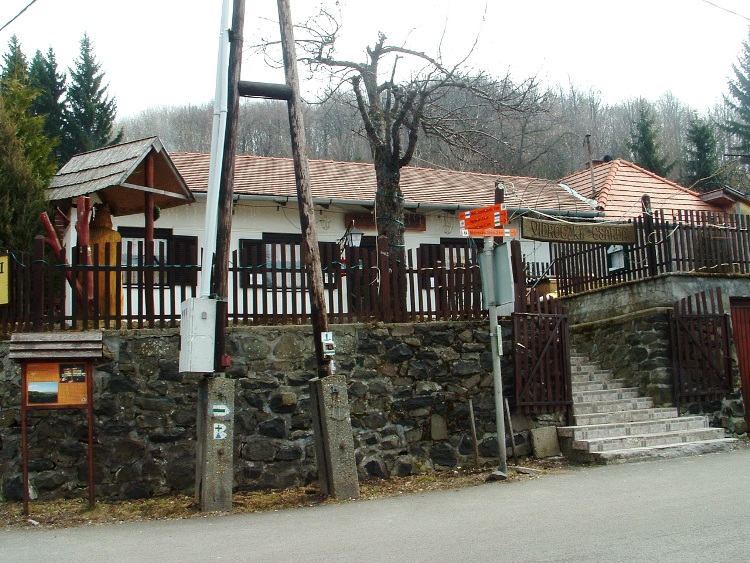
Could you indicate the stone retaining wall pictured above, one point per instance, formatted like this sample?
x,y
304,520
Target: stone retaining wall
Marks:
x,y
409,387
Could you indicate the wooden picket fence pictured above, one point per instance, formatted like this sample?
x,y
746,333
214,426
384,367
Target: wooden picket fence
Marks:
x,y
666,242
701,357
434,283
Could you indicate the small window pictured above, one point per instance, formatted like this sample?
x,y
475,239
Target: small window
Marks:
x,y
175,259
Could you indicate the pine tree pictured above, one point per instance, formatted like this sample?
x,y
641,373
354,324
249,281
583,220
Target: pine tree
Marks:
x,y
643,143
18,96
92,112
22,196
15,65
49,102
702,163
739,101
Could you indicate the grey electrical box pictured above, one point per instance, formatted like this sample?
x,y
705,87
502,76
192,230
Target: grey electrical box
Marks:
x,y
198,335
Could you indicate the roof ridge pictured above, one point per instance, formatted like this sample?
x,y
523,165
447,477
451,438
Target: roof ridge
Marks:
x,y
108,147
609,179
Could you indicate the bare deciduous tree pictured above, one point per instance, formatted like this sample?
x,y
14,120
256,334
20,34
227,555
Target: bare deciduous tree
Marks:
x,y
403,95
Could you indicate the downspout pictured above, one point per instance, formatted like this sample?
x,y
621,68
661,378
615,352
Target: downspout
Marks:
x,y
217,152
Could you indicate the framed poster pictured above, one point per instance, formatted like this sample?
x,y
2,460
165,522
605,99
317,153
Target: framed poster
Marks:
x,y
56,384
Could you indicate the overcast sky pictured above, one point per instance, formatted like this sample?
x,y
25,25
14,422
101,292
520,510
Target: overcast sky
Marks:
x,y
163,52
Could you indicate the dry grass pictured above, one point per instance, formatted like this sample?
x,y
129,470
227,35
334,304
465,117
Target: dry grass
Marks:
x,y
75,512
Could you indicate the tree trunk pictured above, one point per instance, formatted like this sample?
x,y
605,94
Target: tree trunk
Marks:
x,y
389,215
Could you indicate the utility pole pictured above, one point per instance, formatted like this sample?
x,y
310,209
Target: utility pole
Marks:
x,y
204,318
491,293
334,444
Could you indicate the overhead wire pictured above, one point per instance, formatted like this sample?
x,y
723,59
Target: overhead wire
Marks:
x,y
14,18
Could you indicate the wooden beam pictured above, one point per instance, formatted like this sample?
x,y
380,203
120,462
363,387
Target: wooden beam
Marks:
x,y
266,90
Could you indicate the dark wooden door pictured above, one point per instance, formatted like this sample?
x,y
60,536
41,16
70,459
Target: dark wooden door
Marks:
x,y
740,311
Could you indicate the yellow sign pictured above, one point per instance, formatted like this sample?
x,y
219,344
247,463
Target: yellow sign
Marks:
x,y
4,279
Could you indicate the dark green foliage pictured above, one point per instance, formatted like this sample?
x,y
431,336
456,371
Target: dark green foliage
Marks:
x,y
92,112
739,101
21,186
643,143
702,171
49,102
15,65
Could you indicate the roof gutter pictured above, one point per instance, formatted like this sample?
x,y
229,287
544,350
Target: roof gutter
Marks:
x,y
369,203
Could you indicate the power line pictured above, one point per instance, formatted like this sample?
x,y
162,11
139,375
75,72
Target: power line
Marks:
x,y
18,14
726,10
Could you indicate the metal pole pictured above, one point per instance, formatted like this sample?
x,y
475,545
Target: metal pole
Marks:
x,y
502,471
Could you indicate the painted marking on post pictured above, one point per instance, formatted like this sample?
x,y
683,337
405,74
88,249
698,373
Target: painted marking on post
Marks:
x,y
218,410
220,431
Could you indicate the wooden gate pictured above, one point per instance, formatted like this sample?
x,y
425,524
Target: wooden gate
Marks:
x,y
542,356
700,348
740,311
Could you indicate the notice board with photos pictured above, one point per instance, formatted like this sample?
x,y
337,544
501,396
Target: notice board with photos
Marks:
x,y
56,373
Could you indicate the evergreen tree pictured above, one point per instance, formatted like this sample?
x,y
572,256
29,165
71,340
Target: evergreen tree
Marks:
x,y
15,65
22,196
739,101
18,97
92,112
643,144
49,102
702,163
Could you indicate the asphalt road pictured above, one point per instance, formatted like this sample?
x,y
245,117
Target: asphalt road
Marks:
x,y
688,509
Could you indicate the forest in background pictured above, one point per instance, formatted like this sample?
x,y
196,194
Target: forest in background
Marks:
x,y
547,142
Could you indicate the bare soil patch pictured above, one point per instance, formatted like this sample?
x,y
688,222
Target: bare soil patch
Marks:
x,y
63,513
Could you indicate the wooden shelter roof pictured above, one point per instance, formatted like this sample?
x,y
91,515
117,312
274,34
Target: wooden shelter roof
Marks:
x,y
117,174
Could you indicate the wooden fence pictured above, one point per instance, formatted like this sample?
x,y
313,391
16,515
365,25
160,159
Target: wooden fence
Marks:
x,y
701,357
680,241
541,347
117,289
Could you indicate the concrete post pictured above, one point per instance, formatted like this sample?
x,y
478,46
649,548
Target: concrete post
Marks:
x,y
214,468
334,445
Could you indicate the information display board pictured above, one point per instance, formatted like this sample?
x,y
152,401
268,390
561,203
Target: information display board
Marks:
x,y
56,384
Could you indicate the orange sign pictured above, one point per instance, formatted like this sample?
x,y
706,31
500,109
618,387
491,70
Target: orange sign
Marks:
x,y
489,232
56,384
484,218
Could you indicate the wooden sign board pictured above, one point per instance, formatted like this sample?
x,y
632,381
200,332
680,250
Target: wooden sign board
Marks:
x,y
488,217
56,384
558,231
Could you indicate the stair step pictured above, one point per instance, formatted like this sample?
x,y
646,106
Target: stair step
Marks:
x,y
605,395
617,430
625,416
647,440
579,387
665,451
615,405
587,376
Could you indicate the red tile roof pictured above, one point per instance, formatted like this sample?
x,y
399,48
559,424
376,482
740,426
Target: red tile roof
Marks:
x,y
620,185
255,175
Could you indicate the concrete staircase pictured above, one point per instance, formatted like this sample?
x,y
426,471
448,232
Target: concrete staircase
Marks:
x,y
614,424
